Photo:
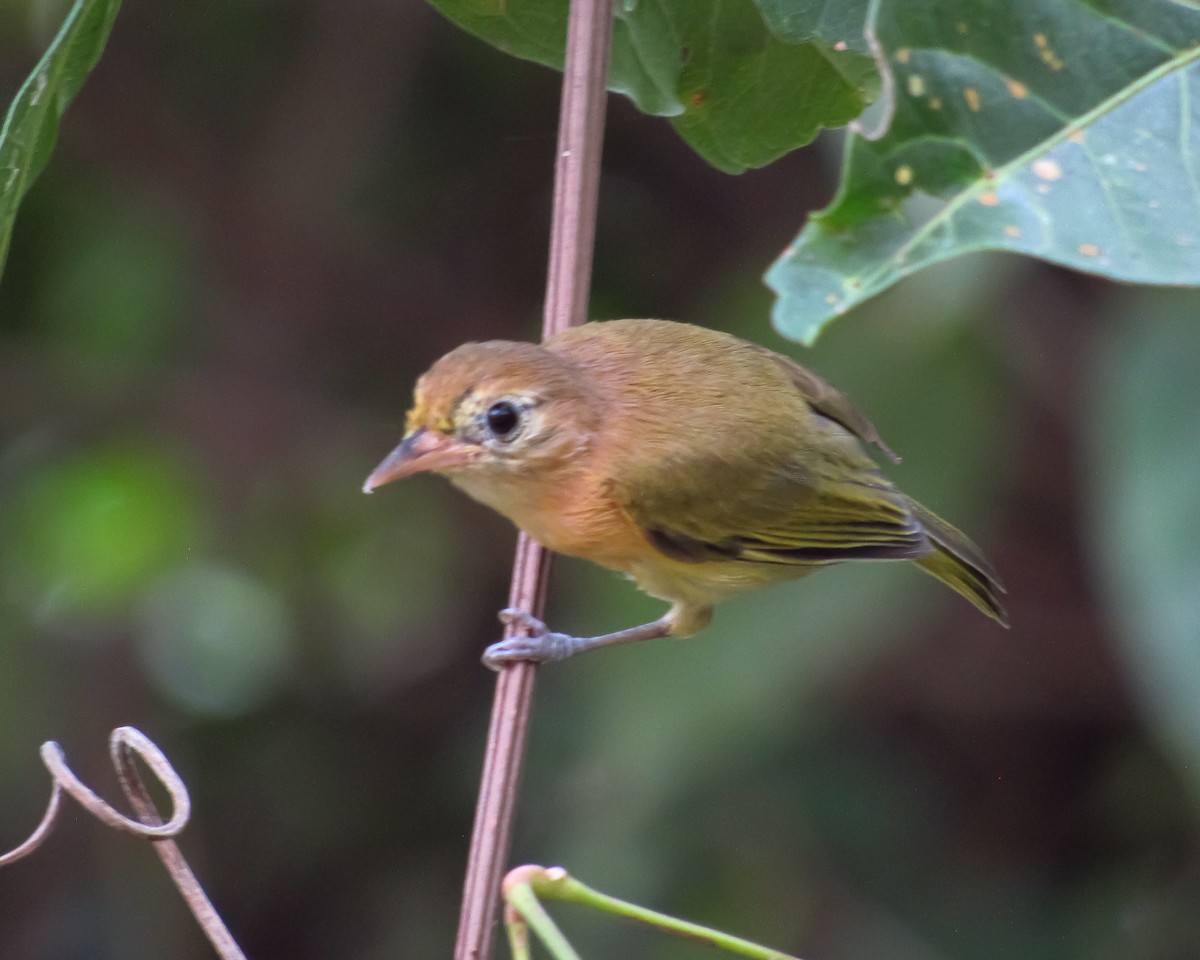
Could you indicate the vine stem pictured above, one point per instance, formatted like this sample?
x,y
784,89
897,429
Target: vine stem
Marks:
x,y
568,280
126,744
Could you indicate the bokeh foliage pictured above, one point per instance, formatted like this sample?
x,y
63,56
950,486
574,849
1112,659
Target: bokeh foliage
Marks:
x,y
261,223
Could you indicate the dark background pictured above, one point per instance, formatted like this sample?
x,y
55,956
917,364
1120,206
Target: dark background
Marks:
x,y
262,222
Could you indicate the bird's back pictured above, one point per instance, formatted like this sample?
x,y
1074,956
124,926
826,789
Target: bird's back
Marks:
x,y
716,429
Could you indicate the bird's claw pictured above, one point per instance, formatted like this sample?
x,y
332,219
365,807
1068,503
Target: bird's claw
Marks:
x,y
541,645
516,617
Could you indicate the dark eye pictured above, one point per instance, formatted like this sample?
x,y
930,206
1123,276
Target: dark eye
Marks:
x,y
503,418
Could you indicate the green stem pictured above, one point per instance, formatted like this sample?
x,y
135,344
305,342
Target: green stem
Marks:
x,y
524,902
518,934
526,884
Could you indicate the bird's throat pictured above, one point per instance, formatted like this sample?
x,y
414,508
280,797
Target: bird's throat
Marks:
x,y
566,511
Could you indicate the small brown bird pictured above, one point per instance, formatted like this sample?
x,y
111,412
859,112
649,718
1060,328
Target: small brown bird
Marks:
x,y
697,463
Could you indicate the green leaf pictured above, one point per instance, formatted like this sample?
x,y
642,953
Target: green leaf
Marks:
x,y
31,126
1145,458
749,95
743,87
836,21
1056,128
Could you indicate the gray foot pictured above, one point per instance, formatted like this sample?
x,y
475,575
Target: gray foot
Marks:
x,y
541,646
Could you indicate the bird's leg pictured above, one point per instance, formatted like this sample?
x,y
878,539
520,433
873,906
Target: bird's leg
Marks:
x,y
544,646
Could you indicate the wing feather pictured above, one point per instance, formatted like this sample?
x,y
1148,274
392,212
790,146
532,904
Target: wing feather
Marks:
x,y
829,401
795,517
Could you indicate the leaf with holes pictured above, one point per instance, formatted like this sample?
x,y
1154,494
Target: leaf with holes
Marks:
x,y
31,126
1061,129
742,85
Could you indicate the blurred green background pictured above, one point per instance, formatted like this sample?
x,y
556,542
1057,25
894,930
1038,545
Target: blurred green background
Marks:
x,y
262,222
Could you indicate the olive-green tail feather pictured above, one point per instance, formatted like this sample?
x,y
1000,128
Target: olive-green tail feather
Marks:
x,y
959,564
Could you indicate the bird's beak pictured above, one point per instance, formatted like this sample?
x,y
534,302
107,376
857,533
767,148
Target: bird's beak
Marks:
x,y
421,450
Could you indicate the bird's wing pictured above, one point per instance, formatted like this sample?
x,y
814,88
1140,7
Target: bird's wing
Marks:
x,y
728,509
785,483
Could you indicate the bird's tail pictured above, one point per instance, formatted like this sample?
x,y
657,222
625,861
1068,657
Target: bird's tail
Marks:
x,y
959,564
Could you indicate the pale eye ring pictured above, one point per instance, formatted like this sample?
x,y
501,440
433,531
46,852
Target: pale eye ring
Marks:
x,y
502,418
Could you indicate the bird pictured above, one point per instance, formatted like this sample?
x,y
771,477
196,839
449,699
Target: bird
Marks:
x,y
699,464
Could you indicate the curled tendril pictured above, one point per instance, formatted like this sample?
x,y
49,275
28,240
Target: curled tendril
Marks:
x,y
126,744
40,832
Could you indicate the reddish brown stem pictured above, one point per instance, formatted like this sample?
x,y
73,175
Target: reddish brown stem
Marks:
x,y
572,236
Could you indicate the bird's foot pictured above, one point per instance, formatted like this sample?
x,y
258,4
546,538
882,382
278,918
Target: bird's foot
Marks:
x,y
542,645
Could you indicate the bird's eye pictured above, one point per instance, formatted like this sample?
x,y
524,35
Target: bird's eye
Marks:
x,y
503,418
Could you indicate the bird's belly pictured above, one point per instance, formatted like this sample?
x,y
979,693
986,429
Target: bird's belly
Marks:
x,y
703,584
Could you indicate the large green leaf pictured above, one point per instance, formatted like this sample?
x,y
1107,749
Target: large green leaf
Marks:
x,y
1064,129
741,86
31,126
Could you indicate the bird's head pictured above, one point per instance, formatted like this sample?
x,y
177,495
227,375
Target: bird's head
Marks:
x,y
494,411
